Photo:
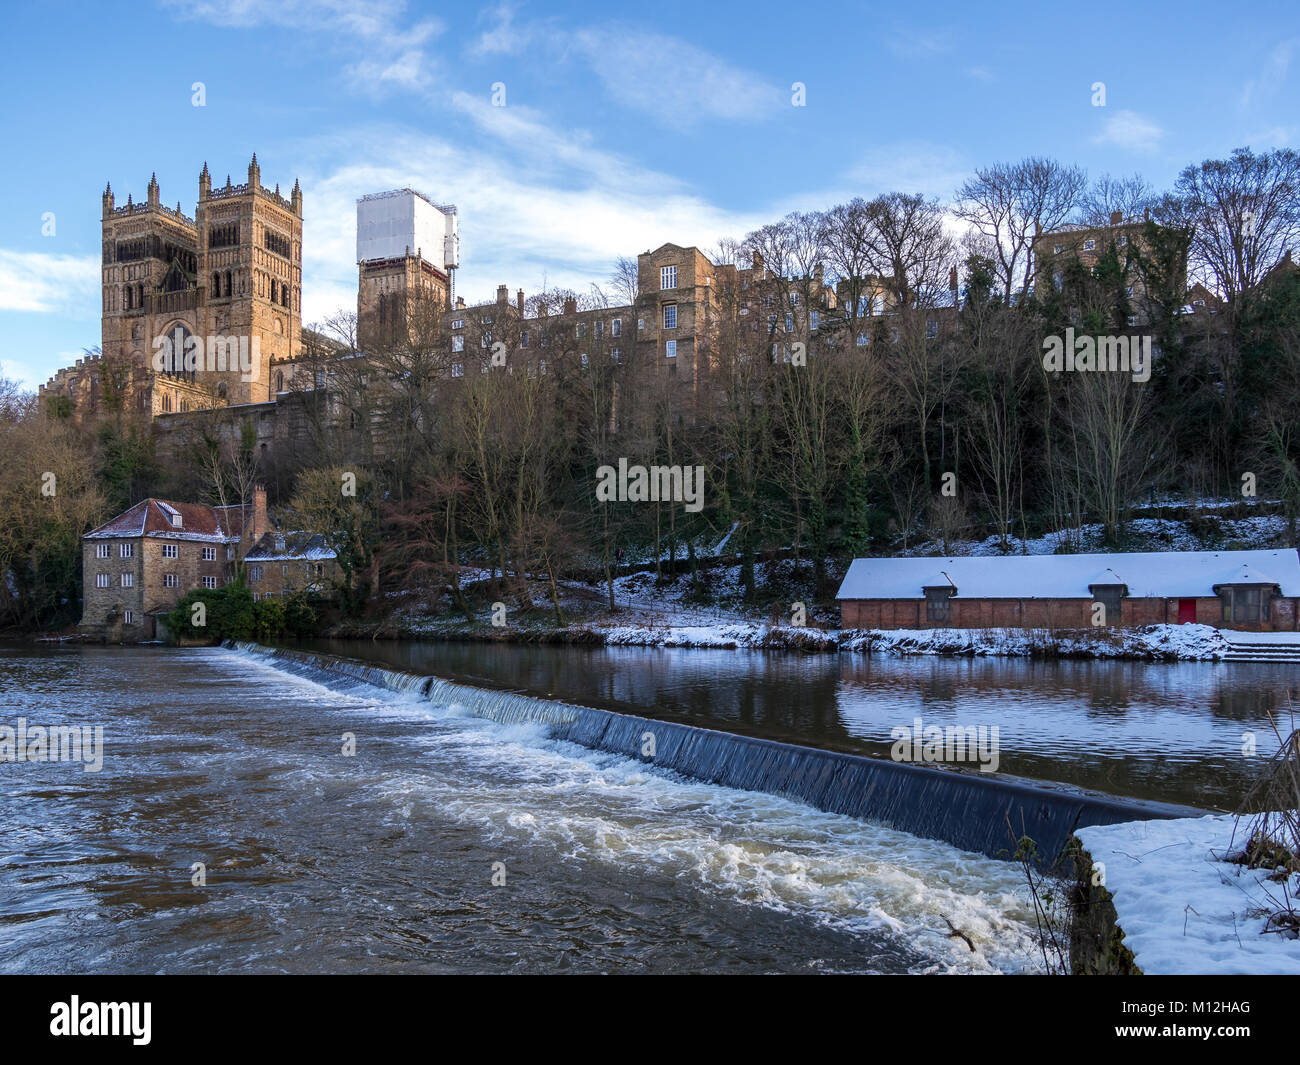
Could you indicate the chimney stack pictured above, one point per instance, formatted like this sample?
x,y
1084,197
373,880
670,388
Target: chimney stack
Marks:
x,y
460,303
952,278
519,302
1116,217
260,523
570,306
503,295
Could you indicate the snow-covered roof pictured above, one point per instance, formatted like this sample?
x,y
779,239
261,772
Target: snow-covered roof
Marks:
x,y
155,518
1144,573
290,546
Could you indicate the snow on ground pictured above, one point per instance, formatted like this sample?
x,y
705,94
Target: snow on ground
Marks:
x,y
1153,642
1182,908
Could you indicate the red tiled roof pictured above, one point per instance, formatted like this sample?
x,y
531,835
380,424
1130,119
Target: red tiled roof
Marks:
x,y
153,517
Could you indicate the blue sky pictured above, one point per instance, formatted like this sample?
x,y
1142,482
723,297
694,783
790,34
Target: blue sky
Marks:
x,y
623,127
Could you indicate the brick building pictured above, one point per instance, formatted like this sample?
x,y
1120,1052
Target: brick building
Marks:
x,y
1252,590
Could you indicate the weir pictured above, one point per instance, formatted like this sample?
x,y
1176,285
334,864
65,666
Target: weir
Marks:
x,y
973,811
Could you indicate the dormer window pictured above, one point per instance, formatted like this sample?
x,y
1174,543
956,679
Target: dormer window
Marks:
x,y
176,521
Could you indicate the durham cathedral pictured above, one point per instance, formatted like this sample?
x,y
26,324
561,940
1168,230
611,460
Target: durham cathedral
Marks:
x,y
234,271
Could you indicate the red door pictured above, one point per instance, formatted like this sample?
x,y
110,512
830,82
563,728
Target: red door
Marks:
x,y
1187,611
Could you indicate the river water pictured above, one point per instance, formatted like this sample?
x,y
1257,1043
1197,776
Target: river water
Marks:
x,y
445,843
449,843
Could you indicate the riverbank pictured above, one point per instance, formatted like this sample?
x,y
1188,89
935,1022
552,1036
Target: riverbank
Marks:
x,y
1151,643
1170,898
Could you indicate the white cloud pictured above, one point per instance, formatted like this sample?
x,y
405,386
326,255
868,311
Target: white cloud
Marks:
x,y
1128,129
1272,74
630,63
907,43
522,223
504,37
45,284
389,47
911,166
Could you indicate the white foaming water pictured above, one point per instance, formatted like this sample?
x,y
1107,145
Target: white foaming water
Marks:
x,y
515,784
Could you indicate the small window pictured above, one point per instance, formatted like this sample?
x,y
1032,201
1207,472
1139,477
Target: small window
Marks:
x,y
600,330
170,551
1122,241
209,582
794,299
670,349
1089,245
170,580
457,369
670,316
128,617
209,554
580,329
284,569
254,573
128,580
523,339
616,327
640,324
126,550
230,553
1198,303
459,323
617,355
931,328
102,550
789,323
583,359
813,318
862,340
101,580
457,343
667,277
1057,249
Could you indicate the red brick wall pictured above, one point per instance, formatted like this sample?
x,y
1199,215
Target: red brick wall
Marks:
x,y
1046,613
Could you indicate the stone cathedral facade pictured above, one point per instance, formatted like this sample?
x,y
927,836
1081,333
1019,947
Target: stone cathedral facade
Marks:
x,y
184,298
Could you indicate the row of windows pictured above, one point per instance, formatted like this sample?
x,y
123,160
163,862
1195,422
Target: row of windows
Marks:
x,y
168,551
255,573
170,580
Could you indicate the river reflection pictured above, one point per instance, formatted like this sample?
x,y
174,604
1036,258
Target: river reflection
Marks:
x,y
1173,732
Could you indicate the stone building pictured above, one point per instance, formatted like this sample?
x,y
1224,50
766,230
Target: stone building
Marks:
x,y
281,563
1251,590
137,566
1088,243
216,298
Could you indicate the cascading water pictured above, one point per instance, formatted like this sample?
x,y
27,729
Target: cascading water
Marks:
x,y
975,812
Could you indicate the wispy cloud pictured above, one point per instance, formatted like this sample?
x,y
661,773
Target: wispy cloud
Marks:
x,y
909,43
502,37
630,64
1128,129
46,284
389,48
1272,74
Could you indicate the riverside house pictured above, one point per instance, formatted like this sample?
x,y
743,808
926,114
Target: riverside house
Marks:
x,y
1250,590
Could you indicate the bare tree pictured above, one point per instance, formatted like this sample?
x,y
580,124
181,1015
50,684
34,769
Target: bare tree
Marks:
x,y
1010,204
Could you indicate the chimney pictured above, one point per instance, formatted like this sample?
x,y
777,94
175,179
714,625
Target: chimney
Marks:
x,y
503,295
571,306
952,278
1116,217
460,303
818,273
519,302
260,523
1146,214
758,265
